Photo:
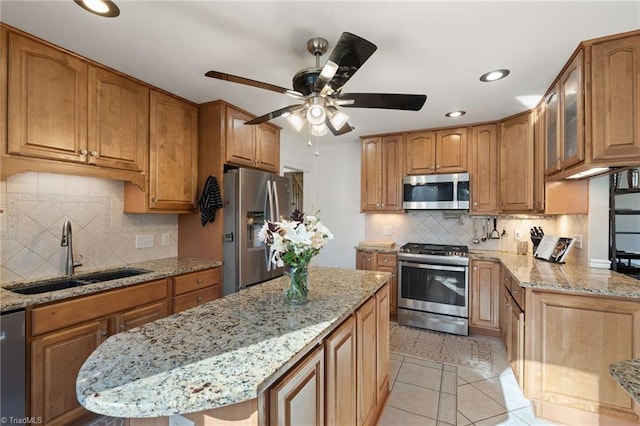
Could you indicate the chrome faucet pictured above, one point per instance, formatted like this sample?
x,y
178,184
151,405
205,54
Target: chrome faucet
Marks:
x,y
67,241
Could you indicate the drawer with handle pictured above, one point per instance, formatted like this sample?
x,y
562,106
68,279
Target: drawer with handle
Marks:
x,y
196,281
195,298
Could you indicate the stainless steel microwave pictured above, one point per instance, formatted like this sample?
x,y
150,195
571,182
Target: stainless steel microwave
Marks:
x,y
436,192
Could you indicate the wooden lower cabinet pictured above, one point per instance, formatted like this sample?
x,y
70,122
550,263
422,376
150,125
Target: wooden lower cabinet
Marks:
x,y
62,335
340,364
345,380
571,341
383,351
196,288
383,262
298,399
366,349
485,297
56,359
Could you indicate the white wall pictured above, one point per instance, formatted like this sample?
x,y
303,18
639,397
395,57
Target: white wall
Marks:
x,y
599,222
337,196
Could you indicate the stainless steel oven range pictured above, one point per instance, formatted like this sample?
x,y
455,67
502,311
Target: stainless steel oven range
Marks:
x,y
433,287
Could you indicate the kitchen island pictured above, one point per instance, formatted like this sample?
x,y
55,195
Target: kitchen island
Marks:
x,y
226,352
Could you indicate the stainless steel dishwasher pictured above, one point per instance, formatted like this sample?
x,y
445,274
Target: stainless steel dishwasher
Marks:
x,y
12,366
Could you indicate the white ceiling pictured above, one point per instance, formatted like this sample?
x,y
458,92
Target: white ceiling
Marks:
x,y
435,48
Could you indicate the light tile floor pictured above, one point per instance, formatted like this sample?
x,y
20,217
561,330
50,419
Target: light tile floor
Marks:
x,y
425,392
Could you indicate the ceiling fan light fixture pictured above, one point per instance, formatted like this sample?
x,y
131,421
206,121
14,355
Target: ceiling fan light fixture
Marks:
x,y
105,8
296,121
455,114
316,113
337,118
494,75
319,129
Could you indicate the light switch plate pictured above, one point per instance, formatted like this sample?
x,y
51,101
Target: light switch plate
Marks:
x,y
165,239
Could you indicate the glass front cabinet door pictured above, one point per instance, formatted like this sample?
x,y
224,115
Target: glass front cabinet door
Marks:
x,y
564,118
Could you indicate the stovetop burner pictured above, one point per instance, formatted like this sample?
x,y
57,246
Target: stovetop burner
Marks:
x,y
435,249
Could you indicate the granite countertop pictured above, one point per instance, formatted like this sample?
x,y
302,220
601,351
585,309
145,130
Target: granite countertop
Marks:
x,y
159,268
220,353
378,249
627,374
569,278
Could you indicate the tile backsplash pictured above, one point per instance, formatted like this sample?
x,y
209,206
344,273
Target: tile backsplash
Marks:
x,y
435,227
35,205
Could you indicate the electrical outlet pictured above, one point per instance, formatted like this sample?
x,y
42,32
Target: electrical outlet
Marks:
x,y
178,420
144,241
386,230
577,241
165,239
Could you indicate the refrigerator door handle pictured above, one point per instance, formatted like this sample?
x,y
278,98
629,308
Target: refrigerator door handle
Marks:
x,y
269,217
277,200
270,200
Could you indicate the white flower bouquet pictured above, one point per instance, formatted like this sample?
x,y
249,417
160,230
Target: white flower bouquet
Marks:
x,y
293,243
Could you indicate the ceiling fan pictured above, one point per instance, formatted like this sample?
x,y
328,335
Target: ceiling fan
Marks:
x,y
320,89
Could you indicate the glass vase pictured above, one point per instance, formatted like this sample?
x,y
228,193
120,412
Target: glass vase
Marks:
x,y
296,285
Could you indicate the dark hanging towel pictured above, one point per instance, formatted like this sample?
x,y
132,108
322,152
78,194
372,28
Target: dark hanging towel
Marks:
x,y
210,200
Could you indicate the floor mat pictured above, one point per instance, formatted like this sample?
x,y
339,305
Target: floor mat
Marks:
x,y
441,347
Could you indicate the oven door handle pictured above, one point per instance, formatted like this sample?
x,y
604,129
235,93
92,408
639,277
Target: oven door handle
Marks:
x,y
431,266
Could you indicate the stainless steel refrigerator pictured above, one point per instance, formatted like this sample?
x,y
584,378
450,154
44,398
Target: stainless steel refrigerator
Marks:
x,y
250,198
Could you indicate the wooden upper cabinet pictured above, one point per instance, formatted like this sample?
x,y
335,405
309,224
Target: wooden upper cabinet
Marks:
x,y
381,173
371,174
62,108
483,168
240,141
173,150
118,131
47,102
615,99
436,151
268,147
256,146
564,118
451,150
421,153
516,165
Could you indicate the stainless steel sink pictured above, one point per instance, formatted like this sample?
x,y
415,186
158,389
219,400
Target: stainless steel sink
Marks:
x,y
80,280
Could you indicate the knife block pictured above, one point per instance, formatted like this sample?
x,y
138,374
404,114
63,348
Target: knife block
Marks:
x,y
536,243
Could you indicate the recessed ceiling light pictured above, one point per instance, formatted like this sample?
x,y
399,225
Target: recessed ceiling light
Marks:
x,y
105,8
494,75
455,114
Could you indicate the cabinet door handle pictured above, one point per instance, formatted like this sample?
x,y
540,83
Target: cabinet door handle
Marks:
x,y
515,291
123,326
475,203
386,261
199,281
437,166
104,333
199,299
94,153
83,152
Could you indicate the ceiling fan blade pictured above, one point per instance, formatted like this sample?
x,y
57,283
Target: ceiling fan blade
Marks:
x,y
254,83
382,100
347,57
274,114
346,128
